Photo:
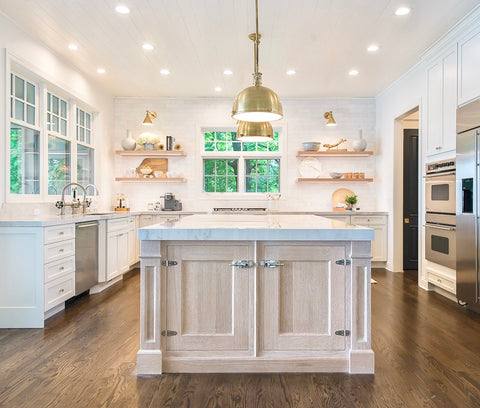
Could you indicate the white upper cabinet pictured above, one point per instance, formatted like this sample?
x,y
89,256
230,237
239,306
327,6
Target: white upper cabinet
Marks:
x,y
469,67
442,103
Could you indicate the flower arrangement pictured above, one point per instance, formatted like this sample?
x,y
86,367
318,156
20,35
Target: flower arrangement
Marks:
x,y
147,138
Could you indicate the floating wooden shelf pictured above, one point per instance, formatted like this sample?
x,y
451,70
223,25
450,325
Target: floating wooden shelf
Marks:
x,y
152,180
306,153
151,153
314,180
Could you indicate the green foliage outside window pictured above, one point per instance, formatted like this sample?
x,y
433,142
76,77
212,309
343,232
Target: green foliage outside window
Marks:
x,y
220,175
262,175
227,142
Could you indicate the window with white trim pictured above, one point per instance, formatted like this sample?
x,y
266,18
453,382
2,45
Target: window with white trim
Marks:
x,y
24,146
233,166
65,132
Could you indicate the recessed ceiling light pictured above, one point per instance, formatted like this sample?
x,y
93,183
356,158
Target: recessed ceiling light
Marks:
x,y
373,48
73,47
218,89
148,47
291,72
353,72
122,9
227,72
101,70
402,11
165,71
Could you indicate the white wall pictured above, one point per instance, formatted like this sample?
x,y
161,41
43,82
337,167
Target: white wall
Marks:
x,y
21,49
303,121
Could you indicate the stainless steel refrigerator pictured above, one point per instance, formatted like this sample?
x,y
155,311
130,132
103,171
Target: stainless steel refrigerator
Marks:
x,y
468,205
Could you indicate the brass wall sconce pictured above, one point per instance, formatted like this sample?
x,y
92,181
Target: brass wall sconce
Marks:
x,y
148,118
330,120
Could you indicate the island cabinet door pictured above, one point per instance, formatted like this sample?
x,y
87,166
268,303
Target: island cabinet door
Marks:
x,y
208,301
303,298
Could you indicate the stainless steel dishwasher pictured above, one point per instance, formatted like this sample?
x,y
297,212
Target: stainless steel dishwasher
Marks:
x,y
86,256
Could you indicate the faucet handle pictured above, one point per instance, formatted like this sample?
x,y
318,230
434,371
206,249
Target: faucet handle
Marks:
x,y
59,204
88,202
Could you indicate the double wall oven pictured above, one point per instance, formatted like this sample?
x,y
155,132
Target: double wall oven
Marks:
x,y
440,220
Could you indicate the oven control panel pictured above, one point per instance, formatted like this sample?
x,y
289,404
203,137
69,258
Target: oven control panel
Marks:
x,y
440,166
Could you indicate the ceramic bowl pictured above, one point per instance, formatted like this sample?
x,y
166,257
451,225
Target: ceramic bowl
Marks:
x,y
336,175
311,146
146,172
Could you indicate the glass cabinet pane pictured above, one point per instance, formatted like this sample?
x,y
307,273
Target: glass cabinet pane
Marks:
x,y
59,164
85,165
24,160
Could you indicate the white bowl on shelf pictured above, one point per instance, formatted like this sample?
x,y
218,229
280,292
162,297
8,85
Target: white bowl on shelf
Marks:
x,y
336,175
311,146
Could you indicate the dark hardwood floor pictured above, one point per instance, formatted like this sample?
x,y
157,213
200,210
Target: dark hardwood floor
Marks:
x,y
427,352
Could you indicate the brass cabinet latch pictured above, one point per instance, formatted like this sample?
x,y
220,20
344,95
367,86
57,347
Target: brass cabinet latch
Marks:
x,y
343,262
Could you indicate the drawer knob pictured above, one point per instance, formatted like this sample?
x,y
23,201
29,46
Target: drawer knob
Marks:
x,y
61,268
61,233
439,280
61,290
61,250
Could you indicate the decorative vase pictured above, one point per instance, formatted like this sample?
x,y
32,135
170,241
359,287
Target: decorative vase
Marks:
x,y
129,142
360,144
148,146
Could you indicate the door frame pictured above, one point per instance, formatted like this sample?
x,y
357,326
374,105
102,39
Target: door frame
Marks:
x,y
397,255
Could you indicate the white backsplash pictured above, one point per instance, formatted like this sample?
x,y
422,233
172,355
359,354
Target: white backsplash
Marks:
x,y
304,121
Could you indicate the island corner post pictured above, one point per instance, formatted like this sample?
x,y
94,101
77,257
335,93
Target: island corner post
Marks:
x,y
284,304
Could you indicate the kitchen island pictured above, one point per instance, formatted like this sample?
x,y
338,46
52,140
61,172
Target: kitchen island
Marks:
x,y
255,293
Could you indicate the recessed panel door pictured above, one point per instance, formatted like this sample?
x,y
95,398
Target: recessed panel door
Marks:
x,y
303,298
209,301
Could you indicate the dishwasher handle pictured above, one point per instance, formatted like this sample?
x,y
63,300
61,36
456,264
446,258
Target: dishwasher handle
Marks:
x,y
86,224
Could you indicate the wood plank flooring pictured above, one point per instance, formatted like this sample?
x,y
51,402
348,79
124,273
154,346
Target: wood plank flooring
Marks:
x,y
427,352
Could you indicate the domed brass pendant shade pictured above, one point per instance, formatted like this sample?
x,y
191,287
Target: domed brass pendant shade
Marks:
x,y
255,131
257,103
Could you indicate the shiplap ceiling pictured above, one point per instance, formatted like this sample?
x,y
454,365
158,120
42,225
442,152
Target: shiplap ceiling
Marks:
x,y
197,39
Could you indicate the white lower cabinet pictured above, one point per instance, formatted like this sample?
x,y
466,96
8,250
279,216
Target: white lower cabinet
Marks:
x,y
117,253
132,240
378,223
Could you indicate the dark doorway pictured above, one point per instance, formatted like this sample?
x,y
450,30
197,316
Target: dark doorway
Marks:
x,y
410,199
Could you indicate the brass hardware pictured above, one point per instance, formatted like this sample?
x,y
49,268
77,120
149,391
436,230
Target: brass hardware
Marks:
x,y
270,263
330,119
257,103
342,333
242,263
406,220
168,333
169,263
148,118
254,131
343,262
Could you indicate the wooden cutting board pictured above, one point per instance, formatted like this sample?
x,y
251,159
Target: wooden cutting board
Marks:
x,y
155,164
339,195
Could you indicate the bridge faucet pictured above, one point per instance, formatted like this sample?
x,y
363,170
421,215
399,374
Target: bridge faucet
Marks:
x,y
95,192
75,202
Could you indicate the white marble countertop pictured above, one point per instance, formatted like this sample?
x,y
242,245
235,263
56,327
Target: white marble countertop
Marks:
x,y
28,220
264,227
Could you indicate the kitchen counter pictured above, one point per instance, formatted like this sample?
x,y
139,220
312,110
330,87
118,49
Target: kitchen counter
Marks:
x,y
255,293
50,220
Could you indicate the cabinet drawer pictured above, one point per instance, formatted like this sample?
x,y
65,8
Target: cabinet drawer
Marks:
x,y
59,290
59,250
441,281
367,219
59,268
131,223
118,225
59,233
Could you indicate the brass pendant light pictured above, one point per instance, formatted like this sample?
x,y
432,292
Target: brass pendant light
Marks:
x,y
257,103
254,131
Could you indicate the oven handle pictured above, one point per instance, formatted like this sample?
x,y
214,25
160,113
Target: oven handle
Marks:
x,y
440,228
450,173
